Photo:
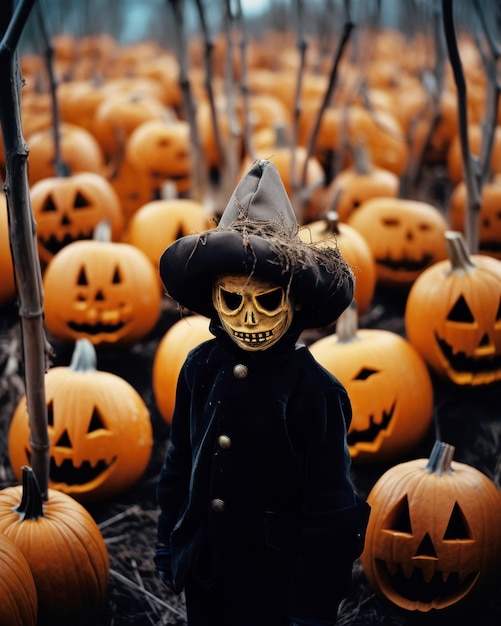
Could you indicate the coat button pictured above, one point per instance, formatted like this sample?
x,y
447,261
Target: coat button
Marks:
x,y
218,505
240,371
224,442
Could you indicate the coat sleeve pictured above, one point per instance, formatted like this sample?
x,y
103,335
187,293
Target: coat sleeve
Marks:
x,y
333,521
174,479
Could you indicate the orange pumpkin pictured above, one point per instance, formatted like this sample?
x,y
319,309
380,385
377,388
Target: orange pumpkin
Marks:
x,y
104,291
157,224
99,429
454,153
7,281
388,384
405,236
161,150
18,594
453,315
433,542
64,549
355,250
489,232
170,355
68,209
80,151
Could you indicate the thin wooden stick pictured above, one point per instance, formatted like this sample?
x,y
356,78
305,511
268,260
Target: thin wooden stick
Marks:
x,y
471,169
22,236
132,585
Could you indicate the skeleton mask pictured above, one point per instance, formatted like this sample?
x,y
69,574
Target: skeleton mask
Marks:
x,y
255,313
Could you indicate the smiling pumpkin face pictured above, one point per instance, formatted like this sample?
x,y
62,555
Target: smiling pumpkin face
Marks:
x,y
453,316
405,236
106,292
389,388
99,428
433,540
68,209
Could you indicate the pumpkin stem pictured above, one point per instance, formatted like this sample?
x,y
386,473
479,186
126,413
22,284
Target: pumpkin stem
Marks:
x,y
458,252
347,324
84,356
102,232
361,159
440,458
31,505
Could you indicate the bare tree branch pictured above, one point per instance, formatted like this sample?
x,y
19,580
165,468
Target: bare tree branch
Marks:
x,y
22,236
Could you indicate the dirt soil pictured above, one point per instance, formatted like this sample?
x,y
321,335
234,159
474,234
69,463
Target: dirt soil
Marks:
x,y
468,419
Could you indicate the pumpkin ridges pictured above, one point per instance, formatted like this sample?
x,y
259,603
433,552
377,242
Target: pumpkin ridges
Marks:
x,y
19,603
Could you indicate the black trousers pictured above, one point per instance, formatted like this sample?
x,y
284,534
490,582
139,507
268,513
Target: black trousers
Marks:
x,y
240,591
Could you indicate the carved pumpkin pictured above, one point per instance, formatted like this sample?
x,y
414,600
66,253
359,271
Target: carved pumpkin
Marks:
x,y
102,290
158,223
389,387
434,538
161,149
489,234
99,428
7,283
170,355
64,549
80,150
405,236
453,315
355,250
18,594
68,208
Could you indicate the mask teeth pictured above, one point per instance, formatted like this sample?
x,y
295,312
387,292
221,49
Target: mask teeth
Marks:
x,y
253,337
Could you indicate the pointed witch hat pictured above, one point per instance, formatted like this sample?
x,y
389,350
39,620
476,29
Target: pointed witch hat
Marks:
x,y
258,236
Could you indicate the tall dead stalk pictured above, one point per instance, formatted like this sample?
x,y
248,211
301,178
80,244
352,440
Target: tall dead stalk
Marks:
x,y
22,236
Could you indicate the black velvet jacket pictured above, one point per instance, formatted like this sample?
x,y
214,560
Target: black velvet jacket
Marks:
x,y
258,456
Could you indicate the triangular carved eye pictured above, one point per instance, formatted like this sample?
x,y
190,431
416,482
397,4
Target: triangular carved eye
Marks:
x,y
426,548
49,205
96,421
81,202
460,312
50,413
400,520
365,373
457,528
117,278
82,277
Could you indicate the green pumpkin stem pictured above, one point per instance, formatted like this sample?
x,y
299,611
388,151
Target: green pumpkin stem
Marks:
x,y
31,505
84,356
458,252
440,459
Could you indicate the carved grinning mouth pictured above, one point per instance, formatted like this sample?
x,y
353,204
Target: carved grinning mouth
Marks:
x,y
260,337
69,474
53,243
406,265
371,433
96,329
462,363
414,587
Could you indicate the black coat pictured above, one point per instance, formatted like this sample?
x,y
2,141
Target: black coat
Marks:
x,y
259,466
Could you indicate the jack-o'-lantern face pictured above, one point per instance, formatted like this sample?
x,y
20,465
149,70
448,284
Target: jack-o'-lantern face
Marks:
x,y
68,209
453,317
389,387
99,429
406,237
255,313
433,539
103,291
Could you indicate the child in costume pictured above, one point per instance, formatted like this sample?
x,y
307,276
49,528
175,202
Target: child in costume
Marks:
x,y
259,522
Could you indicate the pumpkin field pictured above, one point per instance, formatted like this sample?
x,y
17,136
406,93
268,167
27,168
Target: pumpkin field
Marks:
x,y
384,121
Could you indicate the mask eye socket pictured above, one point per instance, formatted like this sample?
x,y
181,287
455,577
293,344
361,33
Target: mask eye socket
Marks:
x,y
270,301
231,302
